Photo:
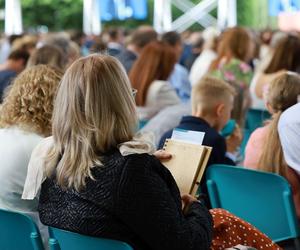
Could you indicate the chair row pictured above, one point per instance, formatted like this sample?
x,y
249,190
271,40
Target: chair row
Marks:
x,y
18,231
260,198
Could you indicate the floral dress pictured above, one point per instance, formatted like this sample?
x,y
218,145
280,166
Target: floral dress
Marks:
x,y
234,71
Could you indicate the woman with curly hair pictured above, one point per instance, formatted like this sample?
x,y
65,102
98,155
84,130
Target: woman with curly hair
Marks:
x,y
25,119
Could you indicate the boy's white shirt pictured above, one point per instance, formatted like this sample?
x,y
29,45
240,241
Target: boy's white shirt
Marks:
x,y
141,143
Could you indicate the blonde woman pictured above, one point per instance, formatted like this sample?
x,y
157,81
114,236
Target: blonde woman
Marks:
x,y
93,187
25,119
264,150
99,182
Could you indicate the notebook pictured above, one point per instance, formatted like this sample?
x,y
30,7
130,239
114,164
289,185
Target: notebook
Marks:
x,y
187,164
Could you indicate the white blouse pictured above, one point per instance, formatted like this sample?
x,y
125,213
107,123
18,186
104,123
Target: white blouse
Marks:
x,y
16,146
160,95
256,102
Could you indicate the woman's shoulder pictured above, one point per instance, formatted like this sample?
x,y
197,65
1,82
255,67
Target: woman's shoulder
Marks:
x,y
140,160
145,164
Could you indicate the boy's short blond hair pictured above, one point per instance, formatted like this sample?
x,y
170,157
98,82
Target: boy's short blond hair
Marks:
x,y
209,92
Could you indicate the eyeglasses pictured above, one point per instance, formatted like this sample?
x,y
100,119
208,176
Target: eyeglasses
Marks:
x,y
133,92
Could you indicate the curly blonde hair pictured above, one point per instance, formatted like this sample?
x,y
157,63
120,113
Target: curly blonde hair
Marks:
x,y
28,102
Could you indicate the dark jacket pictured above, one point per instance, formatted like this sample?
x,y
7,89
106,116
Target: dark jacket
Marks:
x,y
6,77
212,138
133,199
127,58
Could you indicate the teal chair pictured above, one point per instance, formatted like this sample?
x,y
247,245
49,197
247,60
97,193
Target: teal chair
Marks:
x,y
18,232
66,240
260,198
255,119
142,123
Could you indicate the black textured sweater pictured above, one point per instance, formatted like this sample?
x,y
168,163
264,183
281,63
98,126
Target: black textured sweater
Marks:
x,y
133,199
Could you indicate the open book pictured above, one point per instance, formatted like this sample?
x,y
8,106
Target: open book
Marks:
x,y
187,164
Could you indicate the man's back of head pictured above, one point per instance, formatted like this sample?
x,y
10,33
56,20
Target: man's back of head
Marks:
x,y
172,38
17,60
143,36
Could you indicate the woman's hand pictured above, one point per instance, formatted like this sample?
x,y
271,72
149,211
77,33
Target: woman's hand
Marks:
x,y
162,155
187,200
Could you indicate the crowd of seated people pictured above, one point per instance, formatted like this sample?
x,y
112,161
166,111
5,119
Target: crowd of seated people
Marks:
x,y
69,120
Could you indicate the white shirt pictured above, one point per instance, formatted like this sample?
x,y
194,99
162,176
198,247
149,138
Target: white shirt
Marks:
x,y
201,65
166,120
289,134
16,146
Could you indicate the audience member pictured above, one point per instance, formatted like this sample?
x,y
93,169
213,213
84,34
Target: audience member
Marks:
x,y
115,41
139,39
283,92
196,41
26,42
25,118
15,63
63,41
99,46
235,50
48,55
212,102
131,198
288,129
179,77
201,65
266,51
6,45
149,76
286,57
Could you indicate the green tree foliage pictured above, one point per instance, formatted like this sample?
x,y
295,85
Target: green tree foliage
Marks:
x,y
55,14
254,14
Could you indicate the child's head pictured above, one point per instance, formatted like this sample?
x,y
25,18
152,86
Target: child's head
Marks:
x,y
283,92
212,99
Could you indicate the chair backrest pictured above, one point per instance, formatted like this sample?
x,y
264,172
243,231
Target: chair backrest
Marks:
x,y
262,199
255,118
66,240
18,231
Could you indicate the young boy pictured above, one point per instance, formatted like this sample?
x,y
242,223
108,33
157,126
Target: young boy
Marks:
x,y
212,102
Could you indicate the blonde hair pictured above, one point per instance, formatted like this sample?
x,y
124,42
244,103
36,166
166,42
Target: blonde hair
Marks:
x,y
209,92
94,112
28,103
283,93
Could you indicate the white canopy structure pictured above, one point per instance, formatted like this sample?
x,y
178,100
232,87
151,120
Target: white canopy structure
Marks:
x,y
13,17
193,13
162,20
91,17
